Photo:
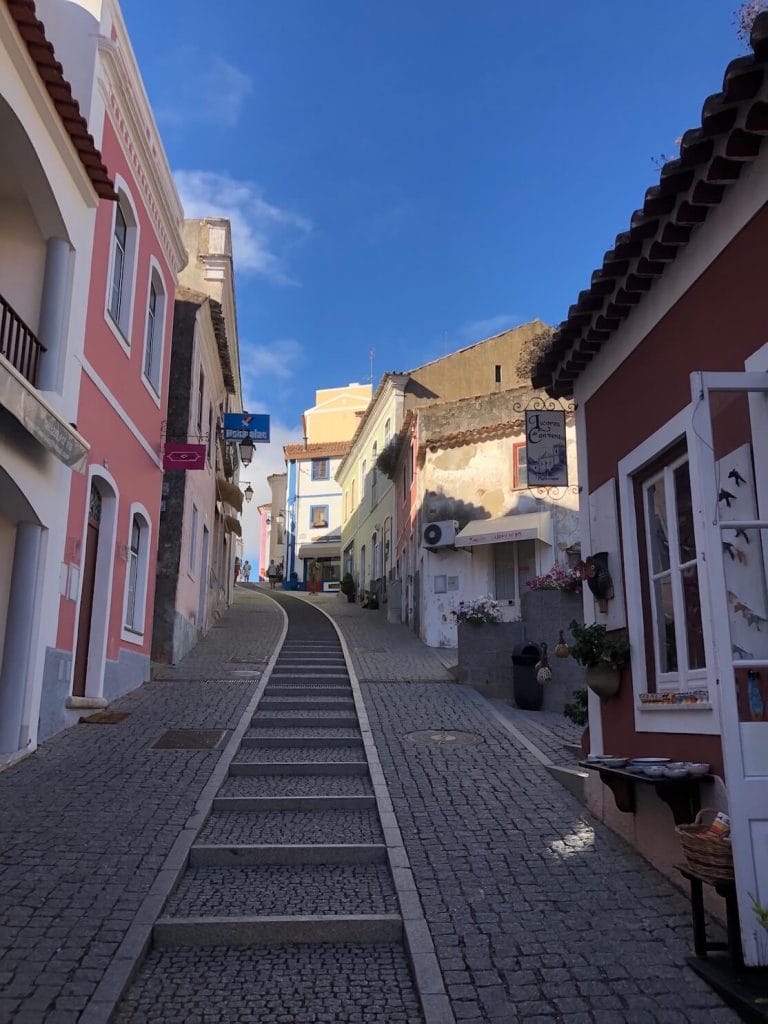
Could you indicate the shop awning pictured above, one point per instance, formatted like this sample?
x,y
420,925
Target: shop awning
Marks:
x,y
25,403
526,526
320,551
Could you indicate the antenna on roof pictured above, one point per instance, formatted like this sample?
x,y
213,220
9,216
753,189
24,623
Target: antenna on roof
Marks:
x,y
371,354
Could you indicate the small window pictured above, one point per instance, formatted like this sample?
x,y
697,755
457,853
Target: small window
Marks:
x,y
363,479
670,577
193,541
520,467
497,374
200,400
121,283
318,517
321,469
211,435
136,577
374,474
387,432
153,341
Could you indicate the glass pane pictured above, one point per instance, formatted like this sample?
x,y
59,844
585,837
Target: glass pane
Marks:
x,y
504,570
687,541
744,564
666,647
658,528
121,228
693,629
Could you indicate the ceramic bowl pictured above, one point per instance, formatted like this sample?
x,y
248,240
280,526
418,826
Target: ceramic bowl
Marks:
x,y
614,762
697,768
675,772
655,771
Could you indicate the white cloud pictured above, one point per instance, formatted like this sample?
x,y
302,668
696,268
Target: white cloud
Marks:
x,y
258,228
219,90
280,359
479,330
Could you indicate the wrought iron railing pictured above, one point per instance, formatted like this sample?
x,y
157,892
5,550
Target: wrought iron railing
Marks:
x,y
18,344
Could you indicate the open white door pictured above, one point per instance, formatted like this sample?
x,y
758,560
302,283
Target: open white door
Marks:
x,y
729,462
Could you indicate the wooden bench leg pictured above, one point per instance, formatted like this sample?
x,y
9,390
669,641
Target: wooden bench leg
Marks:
x,y
735,952
700,944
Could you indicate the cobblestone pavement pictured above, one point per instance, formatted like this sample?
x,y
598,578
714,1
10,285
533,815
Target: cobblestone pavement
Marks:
x,y
540,914
88,819
281,985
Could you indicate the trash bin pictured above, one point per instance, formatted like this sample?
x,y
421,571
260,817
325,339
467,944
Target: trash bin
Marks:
x,y
528,694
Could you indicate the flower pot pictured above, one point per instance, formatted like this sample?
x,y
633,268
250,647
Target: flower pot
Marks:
x,y
603,681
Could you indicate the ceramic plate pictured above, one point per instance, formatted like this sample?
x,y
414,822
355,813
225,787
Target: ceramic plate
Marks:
x,y
650,760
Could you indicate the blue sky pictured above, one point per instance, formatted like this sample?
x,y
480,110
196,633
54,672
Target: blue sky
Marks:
x,y
414,176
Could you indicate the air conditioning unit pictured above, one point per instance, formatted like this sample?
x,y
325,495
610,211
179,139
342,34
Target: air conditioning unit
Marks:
x,y
439,535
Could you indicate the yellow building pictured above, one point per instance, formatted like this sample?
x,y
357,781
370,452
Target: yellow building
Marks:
x,y
336,414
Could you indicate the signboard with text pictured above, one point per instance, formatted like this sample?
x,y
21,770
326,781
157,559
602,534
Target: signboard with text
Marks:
x,y
241,425
545,448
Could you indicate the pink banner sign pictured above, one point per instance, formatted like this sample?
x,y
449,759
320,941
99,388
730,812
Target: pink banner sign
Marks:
x,y
184,456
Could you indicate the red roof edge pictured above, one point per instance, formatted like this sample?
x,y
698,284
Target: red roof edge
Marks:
x,y
32,31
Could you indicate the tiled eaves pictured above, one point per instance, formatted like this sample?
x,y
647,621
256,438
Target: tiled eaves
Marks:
x,y
321,450
474,435
734,123
32,31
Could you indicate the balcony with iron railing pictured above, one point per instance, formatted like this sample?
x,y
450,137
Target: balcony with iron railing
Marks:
x,y
18,344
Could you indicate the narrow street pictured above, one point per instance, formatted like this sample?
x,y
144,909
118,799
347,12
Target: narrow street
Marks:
x,y
288,828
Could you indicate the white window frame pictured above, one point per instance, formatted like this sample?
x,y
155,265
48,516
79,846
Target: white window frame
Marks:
x,y
194,521
153,380
122,328
683,718
134,631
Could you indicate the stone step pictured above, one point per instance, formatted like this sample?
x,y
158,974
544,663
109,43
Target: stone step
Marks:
x,y
281,767
299,703
301,674
360,929
296,785
291,803
284,890
370,983
303,738
306,720
244,855
306,690
292,827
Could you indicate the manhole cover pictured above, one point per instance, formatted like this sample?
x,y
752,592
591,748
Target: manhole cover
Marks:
x,y
444,738
190,739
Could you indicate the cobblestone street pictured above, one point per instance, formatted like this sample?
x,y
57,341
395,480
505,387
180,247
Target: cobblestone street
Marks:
x,y
537,914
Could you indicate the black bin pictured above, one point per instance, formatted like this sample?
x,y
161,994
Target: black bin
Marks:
x,y
528,694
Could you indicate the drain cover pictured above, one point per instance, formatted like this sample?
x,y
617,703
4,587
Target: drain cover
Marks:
x,y
444,738
190,739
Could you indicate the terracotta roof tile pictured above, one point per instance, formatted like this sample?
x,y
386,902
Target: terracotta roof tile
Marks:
x,y
328,449
32,31
711,159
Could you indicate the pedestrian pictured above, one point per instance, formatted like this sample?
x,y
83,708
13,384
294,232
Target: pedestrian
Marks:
x,y
315,577
246,571
272,574
237,569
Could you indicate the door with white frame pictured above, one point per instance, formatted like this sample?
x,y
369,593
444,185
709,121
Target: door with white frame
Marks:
x,y
729,459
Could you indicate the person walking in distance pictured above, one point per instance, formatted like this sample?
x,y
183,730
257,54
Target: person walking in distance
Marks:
x,y
246,571
272,574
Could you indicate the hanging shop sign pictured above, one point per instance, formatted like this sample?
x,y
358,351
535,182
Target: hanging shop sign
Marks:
x,y
545,448
241,426
184,456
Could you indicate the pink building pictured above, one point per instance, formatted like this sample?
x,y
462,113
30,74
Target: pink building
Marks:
x,y
105,618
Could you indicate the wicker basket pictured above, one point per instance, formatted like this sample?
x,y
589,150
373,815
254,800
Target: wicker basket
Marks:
x,y
711,857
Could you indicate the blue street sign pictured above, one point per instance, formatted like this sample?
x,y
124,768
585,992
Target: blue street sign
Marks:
x,y
241,425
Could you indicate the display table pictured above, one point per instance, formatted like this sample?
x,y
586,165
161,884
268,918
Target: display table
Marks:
x,y
680,795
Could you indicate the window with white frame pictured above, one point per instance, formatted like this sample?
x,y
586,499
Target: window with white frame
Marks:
x,y
669,575
123,264
136,575
514,563
387,432
193,541
519,466
153,342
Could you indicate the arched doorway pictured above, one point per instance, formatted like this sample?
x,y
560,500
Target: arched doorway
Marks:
x,y
95,588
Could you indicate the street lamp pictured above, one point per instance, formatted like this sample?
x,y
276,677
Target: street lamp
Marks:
x,y
280,518
248,492
246,451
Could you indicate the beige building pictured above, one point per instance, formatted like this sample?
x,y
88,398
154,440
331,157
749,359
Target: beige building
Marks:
x,y
368,513
336,413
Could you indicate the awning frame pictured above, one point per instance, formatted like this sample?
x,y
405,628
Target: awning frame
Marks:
x,y
535,526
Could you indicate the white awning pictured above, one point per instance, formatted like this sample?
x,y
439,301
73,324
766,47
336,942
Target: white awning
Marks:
x,y
526,526
320,551
27,405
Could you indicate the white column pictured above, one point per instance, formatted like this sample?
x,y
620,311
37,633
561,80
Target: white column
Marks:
x,y
14,672
54,308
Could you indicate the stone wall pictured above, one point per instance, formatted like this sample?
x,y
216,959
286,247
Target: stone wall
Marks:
x,y
485,656
545,614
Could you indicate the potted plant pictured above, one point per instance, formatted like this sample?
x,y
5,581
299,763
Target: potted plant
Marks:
x,y
348,586
477,612
603,655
